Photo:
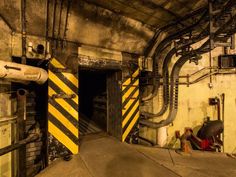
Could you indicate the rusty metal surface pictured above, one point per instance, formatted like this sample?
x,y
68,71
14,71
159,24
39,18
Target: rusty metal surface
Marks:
x,y
21,118
84,61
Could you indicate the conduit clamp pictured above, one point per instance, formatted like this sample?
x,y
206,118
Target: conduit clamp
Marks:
x,y
63,96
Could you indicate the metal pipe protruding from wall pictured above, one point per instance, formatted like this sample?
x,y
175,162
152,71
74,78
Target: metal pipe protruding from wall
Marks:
x,y
19,144
15,71
7,119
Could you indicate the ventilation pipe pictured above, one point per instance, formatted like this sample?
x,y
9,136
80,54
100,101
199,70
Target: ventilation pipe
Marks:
x,y
20,72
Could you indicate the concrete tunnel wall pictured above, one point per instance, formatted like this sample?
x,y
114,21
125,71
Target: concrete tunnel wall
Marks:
x,y
194,105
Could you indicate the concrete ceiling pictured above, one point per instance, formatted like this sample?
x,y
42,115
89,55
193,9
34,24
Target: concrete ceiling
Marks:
x,y
123,25
157,13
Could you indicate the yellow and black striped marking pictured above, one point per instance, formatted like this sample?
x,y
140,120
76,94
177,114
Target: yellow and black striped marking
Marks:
x,y
63,116
130,104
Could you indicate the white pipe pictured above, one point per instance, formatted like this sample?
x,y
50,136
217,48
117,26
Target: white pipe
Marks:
x,y
162,136
15,71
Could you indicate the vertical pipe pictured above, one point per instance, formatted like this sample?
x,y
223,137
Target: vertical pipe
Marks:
x,y
47,20
53,25
66,21
223,116
218,109
21,117
59,25
211,38
23,31
46,27
54,18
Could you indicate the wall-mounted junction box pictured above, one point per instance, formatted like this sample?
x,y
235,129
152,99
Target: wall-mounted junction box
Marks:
x,y
145,64
227,61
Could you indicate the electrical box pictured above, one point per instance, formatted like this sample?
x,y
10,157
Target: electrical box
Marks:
x,y
227,61
145,64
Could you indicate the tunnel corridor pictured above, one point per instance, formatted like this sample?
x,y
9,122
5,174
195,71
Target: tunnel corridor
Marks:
x,y
117,88
92,101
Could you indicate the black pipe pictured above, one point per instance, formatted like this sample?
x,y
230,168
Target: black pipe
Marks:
x,y
172,24
163,45
218,109
21,118
146,140
7,23
47,20
47,27
193,55
59,24
165,74
223,113
54,18
66,21
23,31
173,96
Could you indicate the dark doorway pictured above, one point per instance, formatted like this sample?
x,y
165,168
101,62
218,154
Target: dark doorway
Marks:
x,y
92,101
99,102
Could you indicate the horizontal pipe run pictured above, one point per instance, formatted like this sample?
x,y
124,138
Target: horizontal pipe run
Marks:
x,y
7,119
19,144
21,72
202,78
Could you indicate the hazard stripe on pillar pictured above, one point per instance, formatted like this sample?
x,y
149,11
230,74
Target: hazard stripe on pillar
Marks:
x,y
63,116
130,104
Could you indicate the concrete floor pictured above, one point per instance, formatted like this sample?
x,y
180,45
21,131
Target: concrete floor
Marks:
x,y
103,156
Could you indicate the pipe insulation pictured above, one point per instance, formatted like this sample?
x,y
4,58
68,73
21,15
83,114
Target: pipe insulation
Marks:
x,y
21,72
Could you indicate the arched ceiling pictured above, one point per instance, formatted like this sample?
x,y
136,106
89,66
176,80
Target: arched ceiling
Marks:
x,y
156,13
123,25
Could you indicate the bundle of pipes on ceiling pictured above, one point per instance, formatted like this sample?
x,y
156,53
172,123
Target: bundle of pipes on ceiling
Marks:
x,y
186,36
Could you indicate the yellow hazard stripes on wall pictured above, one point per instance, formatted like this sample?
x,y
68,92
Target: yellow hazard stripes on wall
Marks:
x,y
63,113
130,104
